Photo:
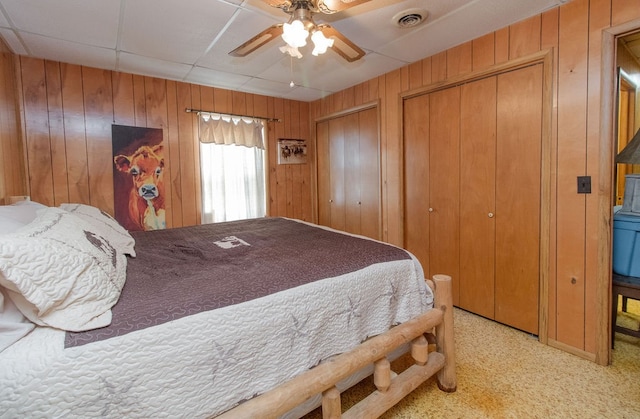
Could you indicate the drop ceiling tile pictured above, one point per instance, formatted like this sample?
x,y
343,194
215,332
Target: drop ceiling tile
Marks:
x,y
92,22
245,25
13,41
69,52
173,31
4,23
208,77
137,64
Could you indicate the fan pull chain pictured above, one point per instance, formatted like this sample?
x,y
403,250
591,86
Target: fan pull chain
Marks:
x,y
292,84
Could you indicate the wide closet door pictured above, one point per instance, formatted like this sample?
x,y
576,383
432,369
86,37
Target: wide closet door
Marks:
x,y
472,191
349,173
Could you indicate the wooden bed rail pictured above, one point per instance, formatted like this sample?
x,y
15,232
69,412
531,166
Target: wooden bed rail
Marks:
x,y
390,390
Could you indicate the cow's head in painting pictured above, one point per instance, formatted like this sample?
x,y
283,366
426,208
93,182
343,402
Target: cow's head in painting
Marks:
x,y
145,167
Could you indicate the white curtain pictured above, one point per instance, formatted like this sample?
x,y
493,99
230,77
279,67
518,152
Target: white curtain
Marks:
x,y
232,168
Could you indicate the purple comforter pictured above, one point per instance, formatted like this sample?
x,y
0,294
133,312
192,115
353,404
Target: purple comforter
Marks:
x,y
183,271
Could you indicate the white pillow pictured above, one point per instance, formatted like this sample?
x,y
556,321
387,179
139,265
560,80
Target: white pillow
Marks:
x,y
13,324
14,216
105,225
61,273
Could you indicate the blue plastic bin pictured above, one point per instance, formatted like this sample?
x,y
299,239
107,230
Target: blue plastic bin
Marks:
x,y
626,245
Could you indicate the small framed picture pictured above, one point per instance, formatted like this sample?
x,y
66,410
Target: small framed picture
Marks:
x,y
292,151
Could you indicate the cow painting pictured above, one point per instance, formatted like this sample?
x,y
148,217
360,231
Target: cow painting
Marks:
x,y
145,167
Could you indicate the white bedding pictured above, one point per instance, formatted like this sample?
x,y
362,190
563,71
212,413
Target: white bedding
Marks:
x,y
204,364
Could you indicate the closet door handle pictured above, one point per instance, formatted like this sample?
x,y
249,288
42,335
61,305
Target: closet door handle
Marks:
x,y
490,215
430,209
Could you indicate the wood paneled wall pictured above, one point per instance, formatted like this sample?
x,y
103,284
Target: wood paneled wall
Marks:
x,y
574,33
67,112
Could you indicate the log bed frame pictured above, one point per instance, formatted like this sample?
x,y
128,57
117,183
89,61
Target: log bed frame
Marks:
x,y
391,388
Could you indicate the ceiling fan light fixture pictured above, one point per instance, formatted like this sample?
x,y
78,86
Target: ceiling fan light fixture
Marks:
x,y
295,34
320,42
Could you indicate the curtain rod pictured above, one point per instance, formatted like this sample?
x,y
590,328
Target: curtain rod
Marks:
x,y
232,115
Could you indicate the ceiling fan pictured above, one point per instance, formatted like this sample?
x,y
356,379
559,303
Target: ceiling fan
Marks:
x,y
301,25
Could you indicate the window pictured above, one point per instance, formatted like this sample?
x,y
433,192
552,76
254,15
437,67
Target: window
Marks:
x,y
232,169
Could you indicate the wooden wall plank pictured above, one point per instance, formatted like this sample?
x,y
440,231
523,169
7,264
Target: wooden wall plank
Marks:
x,y
572,113
426,71
36,120
272,157
139,101
174,218
12,163
623,11
75,135
483,51
193,156
56,133
98,110
124,112
524,37
459,60
439,67
502,45
549,40
305,212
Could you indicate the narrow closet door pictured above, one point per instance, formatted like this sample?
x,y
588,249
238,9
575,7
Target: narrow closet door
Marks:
x,y
416,178
477,196
324,173
519,134
444,185
336,169
369,173
352,177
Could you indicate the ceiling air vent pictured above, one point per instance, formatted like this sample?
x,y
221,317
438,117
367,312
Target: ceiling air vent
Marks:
x,y
410,18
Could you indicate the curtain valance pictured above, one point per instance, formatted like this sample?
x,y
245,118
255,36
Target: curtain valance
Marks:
x,y
219,129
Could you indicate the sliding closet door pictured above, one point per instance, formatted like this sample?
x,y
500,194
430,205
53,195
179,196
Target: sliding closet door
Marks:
x,y
519,134
477,196
444,185
349,173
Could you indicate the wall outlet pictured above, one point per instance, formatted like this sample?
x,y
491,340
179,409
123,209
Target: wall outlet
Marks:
x,y
584,184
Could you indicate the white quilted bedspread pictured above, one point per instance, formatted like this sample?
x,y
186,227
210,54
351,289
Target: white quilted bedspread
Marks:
x,y
204,364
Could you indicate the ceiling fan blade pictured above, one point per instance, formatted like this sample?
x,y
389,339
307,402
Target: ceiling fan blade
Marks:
x,y
341,44
258,41
334,6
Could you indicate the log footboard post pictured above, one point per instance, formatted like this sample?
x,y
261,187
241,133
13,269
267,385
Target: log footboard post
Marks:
x,y
331,404
420,350
444,333
382,374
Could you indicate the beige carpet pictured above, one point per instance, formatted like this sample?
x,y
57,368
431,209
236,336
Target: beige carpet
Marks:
x,y
505,373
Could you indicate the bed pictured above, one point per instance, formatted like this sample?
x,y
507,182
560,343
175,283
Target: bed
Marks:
x,y
259,318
